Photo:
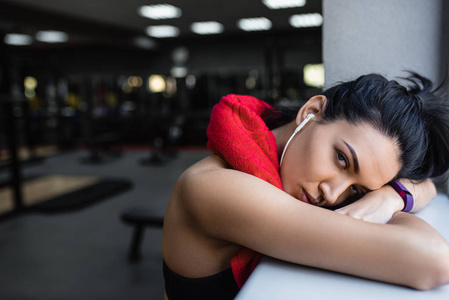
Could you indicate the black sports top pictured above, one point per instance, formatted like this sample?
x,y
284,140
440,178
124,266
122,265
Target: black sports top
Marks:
x,y
220,286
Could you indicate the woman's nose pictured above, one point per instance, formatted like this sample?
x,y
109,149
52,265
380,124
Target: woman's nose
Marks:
x,y
334,192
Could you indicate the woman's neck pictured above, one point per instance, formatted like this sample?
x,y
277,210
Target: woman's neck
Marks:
x,y
282,134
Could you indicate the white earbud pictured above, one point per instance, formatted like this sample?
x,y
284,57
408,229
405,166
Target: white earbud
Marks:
x,y
300,126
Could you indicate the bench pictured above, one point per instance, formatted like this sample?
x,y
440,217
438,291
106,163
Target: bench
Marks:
x,y
139,218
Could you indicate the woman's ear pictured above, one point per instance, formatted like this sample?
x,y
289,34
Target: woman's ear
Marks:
x,y
316,105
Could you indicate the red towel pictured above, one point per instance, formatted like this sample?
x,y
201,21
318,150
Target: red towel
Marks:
x,y
238,134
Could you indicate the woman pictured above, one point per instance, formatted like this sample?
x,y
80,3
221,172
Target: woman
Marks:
x,y
344,145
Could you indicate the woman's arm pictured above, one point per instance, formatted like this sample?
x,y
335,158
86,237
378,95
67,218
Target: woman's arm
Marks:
x,y
242,209
380,205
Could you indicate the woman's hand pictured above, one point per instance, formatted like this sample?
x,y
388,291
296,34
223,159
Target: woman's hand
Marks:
x,y
379,206
376,206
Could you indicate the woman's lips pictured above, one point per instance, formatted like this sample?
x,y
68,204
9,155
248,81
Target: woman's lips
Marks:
x,y
305,197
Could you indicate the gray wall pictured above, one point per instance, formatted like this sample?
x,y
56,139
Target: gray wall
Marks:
x,y
383,36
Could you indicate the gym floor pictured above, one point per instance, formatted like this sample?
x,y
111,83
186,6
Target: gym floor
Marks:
x,y
83,254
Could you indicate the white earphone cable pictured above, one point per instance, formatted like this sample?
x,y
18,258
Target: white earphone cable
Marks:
x,y
300,126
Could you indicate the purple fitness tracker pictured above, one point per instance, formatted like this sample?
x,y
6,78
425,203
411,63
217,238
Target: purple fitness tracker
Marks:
x,y
404,193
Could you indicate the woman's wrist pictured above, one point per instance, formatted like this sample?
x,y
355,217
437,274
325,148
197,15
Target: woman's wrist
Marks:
x,y
395,199
406,196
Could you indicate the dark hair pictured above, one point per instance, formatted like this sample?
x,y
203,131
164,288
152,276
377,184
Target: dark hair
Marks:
x,y
415,116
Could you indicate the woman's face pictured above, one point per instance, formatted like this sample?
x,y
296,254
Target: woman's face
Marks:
x,y
325,164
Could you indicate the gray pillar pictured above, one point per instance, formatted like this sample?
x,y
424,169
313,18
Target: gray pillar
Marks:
x,y
386,37
383,36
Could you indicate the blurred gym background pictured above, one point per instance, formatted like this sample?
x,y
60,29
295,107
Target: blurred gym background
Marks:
x,y
103,103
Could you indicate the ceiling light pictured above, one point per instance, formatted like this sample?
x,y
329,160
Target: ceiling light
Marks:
x,y
144,43
160,11
306,20
162,31
178,72
314,75
156,83
17,39
134,81
190,81
278,4
51,36
211,27
254,24
30,83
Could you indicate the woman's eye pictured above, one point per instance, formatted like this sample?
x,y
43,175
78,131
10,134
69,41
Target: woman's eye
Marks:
x,y
356,191
342,158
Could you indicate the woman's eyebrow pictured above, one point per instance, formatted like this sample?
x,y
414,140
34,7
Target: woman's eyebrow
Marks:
x,y
354,157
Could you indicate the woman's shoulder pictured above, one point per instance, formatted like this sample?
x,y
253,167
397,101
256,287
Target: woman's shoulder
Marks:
x,y
212,183
209,163
202,168
197,175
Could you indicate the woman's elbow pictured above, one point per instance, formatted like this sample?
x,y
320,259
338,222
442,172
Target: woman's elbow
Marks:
x,y
439,278
436,273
